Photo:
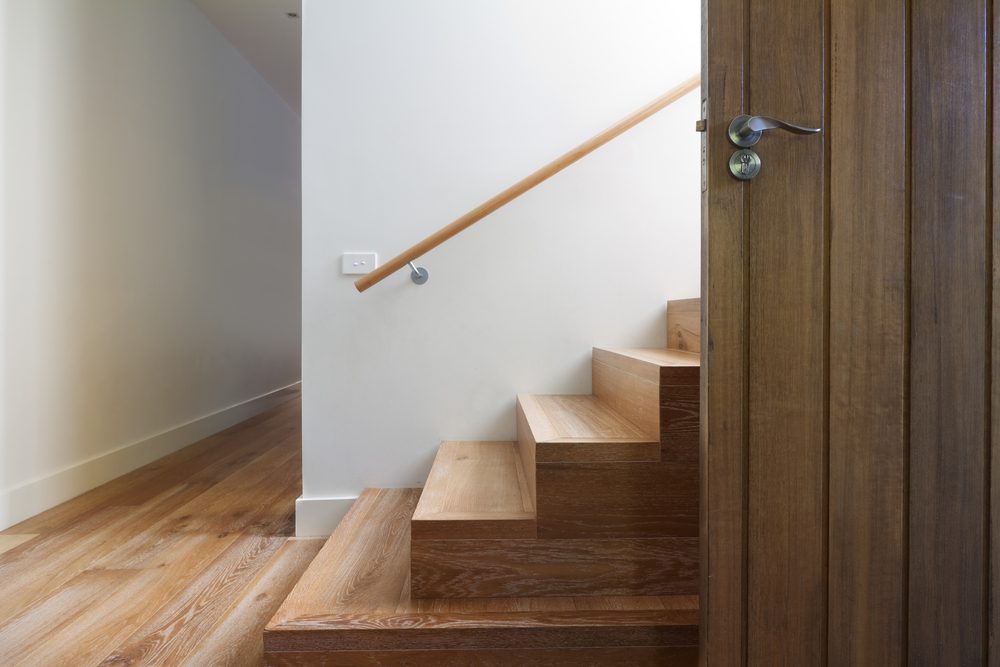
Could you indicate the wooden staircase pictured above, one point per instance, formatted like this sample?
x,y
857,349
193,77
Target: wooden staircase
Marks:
x,y
575,545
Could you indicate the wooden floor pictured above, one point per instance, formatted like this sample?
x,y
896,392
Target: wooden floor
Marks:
x,y
182,561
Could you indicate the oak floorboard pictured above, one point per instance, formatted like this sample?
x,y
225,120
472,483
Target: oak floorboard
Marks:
x,y
181,561
18,635
8,542
180,625
96,630
238,639
34,573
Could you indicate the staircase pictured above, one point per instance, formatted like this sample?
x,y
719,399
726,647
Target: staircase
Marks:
x,y
575,545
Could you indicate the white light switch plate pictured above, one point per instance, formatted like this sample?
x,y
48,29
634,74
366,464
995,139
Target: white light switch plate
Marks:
x,y
353,263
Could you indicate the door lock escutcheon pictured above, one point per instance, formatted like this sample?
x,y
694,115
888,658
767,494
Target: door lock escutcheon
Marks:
x,y
745,131
744,164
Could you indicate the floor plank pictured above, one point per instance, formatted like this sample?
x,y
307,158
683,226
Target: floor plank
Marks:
x,y
227,644
180,625
88,637
8,542
84,591
181,561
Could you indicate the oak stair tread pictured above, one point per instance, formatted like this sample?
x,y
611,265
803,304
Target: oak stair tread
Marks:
x,y
475,489
354,601
582,428
660,357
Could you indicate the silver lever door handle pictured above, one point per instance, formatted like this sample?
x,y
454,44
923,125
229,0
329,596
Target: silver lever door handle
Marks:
x,y
745,131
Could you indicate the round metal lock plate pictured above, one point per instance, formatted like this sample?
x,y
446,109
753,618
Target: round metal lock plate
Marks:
x,y
744,164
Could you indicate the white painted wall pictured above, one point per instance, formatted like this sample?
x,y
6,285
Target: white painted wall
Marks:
x,y
150,241
414,111
267,37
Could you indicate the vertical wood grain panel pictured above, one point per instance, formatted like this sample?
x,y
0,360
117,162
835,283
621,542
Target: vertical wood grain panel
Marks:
x,y
868,333
994,515
786,591
723,367
899,563
949,305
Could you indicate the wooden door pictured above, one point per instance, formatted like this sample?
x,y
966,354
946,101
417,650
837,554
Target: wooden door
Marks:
x,y
849,410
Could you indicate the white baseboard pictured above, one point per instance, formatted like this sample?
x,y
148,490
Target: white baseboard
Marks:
x,y
37,495
317,517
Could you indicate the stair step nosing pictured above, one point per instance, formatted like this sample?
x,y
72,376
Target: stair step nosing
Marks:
x,y
624,357
433,521
535,412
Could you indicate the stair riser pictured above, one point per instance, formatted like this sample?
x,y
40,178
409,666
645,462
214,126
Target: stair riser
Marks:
x,y
632,394
679,422
475,529
438,631
663,402
684,325
634,656
543,568
527,446
601,500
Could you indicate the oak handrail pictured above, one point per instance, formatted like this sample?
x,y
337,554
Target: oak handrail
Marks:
x,y
525,184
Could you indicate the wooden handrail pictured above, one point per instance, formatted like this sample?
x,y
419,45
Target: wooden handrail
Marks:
x,y
525,184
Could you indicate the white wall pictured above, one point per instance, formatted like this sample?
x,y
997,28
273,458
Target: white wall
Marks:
x,y
265,36
415,111
151,241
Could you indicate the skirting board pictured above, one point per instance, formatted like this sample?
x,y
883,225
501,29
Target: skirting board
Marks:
x,y
37,495
317,517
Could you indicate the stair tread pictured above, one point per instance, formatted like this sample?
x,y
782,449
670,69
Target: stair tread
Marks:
x,y
663,357
581,429
354,596
577,418
659,365
475,488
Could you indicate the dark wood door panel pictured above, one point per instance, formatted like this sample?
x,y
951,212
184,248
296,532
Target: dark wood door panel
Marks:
x,y
949,309
724,320
787,293
868,333
849,414
994,454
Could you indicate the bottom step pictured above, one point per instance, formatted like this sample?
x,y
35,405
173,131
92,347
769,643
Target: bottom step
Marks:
x,y
352,606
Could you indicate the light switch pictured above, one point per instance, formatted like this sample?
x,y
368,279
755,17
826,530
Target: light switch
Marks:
x,y
353,263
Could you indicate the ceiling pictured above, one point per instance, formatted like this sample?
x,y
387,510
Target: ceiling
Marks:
x,y
267,37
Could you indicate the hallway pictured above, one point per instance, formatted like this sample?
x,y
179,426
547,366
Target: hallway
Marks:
x,y
183,560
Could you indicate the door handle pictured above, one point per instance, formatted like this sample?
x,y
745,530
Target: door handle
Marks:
x,y
745,131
